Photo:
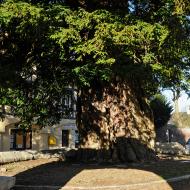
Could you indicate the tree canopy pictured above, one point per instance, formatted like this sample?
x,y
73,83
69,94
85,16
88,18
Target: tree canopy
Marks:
x,y
48,45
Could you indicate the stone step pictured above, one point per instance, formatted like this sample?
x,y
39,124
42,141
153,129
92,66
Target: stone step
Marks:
x,y
6,182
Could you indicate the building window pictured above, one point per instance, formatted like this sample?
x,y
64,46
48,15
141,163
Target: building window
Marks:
x,y
6,110
76,138
68,105
65,138
20,139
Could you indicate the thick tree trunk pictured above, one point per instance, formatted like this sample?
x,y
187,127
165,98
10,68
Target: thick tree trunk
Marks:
x,y
115,123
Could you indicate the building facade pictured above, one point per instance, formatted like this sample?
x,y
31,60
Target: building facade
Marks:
x,y
62,135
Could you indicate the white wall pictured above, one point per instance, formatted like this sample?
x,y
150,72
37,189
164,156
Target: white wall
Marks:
x,y
39,141
5,138
40,136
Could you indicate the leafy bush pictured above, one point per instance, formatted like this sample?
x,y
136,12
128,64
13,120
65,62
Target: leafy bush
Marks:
x,y
161,110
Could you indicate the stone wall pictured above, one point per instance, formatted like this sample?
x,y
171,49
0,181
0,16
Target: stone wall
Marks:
x,y
172,148
15,156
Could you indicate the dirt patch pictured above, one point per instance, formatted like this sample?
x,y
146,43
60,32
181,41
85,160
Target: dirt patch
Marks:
x,y
18,167
54,173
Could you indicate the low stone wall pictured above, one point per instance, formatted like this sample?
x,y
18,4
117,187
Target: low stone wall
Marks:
x,y
16,156
173,148
6,182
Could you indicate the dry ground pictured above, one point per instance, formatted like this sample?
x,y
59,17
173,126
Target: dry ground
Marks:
x,y
54,174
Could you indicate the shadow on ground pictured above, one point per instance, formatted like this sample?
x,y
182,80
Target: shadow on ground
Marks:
x,y
56,175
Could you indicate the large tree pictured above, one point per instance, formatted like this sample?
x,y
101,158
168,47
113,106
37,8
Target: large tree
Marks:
x,y
117,54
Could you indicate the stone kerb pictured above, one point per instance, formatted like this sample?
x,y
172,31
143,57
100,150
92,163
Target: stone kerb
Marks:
x,y
6,182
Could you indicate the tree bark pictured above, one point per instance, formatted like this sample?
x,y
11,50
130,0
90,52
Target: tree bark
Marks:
x,y
115,122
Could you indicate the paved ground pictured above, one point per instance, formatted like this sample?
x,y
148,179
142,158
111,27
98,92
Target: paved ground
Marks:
x,y
52,174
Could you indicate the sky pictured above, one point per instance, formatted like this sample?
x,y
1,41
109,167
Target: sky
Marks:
x,y
183,101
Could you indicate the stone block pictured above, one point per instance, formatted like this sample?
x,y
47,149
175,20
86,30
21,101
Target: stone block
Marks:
x,y
16,156
6,182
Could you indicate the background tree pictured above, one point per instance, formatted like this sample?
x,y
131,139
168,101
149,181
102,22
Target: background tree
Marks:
x,y
32,78
161,110
117,54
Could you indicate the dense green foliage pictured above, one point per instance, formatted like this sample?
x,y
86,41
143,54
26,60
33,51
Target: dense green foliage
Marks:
x,y
47,46
161,110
